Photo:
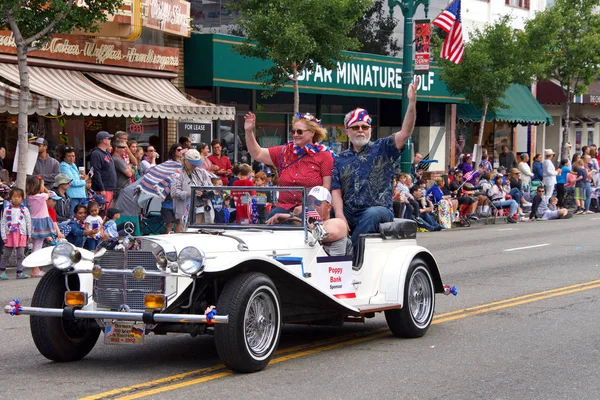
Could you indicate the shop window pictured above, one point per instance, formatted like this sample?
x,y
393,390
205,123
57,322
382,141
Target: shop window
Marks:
x,y
518,3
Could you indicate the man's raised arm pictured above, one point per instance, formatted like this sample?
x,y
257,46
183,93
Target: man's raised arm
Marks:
x,y
409,118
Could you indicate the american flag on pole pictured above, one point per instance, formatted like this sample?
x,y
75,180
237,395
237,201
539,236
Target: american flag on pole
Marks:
x,y
469,175
449,21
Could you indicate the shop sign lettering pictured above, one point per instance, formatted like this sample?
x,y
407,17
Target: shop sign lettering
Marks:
x,y
171,16
76,48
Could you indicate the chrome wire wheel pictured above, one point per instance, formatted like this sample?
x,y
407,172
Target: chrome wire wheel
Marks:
x,y
261,322
420,297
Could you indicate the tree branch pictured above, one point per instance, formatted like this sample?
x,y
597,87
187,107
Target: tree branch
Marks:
x,y
50,26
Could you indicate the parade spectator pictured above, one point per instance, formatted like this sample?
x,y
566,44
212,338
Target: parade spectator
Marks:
x,y
537,169
498,197
588,182
53,198
124,172
16,230
175,153
77,232
242,209
444,204
561,181
185,142
568,155
485,163
222,162
416,170
514,181
132,147
207,165
595,165
362,194
45,166
128,156
550,172
4,176
63,205
191,175
77,190
110,226
579,169
139,155
411,206
463,195
526,174
507,158
42,226
148,160
302,162
104,178
541,209
93,225
425,219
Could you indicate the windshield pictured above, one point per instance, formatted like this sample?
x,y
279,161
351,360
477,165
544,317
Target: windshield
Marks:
x,y
243,207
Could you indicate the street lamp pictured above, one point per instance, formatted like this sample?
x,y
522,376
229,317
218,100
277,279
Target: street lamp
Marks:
x,y
408,7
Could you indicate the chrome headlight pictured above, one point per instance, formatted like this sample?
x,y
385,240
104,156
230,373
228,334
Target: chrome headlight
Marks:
x,y
64,256
190,260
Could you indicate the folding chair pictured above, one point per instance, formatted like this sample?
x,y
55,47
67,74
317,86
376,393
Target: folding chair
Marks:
x,y
151,222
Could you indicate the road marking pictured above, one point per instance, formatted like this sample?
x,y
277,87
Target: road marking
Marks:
x,y
219,371
593,219
505,229
528,247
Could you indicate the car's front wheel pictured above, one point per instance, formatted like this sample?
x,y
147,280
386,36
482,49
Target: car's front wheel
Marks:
x,y
248,341
58,339
415,316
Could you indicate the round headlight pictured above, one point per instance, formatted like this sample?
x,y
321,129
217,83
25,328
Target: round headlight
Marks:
x,y
190,260
64,255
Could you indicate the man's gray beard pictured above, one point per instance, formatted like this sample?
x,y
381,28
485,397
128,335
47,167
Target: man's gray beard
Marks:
x,y
359,142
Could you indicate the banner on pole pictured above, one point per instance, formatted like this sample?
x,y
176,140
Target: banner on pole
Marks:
x,y
422,43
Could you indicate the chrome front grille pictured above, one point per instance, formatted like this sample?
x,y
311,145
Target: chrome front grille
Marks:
x,y
111,291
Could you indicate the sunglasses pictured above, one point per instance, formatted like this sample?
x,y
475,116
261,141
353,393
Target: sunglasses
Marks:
x,y
150,151
359,127
317,202
179,149
299,131
69,149
121,147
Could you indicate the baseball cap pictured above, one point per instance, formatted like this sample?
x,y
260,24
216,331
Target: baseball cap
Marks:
x,y
40,142
100,136
320,193
112,212
54,196
193,157
99,199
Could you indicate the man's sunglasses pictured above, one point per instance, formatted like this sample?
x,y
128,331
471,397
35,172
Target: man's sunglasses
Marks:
x,y
317,202
356,128
121,147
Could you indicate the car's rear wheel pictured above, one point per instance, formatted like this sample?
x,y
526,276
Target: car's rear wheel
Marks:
x,y
248,341
58,339
414,318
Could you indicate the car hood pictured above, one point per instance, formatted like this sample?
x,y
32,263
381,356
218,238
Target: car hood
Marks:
x,y
233,241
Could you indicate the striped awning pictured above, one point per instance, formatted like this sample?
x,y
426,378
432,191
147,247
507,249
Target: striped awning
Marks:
x,y
165,96
36,104
78,95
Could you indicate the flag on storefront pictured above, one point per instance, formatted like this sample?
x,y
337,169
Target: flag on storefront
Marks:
x,y
449,21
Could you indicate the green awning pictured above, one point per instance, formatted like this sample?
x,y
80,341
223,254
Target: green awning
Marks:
x,y
522,109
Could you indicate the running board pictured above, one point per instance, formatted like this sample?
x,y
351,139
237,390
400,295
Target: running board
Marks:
x,y
373,308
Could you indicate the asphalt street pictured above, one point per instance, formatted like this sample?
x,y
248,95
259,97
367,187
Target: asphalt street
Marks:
x,y
523,326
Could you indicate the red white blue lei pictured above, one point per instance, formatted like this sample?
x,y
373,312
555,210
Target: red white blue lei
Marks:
x,y
309,149
14,227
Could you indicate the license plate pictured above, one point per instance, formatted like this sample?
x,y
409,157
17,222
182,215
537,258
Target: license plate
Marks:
x,y
124,333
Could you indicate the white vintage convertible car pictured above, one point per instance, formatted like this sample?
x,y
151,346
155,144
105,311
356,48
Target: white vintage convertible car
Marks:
x,y
258,277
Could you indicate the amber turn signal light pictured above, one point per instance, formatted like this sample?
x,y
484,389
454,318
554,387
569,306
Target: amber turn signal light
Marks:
x,y
154,301
75,299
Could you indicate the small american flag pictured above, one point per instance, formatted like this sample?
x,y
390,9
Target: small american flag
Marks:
x,y
449,21
469,175
311,213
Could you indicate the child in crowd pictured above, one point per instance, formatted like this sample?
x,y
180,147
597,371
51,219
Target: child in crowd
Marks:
x,y
110,226
580,181
16,231
553,203
51,204
218,203
243,208
77,232
41,223
93,224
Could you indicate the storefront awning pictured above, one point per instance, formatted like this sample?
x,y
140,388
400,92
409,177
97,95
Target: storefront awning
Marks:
x,y
165,96
9,102
78,95
522,108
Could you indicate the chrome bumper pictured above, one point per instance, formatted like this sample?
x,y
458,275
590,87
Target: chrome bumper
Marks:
x,y
146,317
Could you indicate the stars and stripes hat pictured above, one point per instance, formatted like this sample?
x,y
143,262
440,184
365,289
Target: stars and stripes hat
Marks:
x,y
358,115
